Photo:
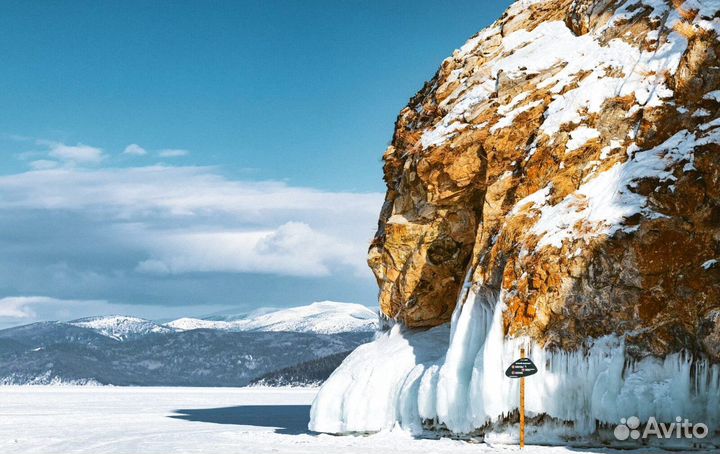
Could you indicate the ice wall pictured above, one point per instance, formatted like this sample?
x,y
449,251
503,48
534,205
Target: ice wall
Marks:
x,y
454,376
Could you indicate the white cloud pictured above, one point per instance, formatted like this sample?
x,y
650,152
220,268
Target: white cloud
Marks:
x,y
191,219
22,306
16,310
293,248
17,307
76,154
43,164
165,191
172,153
134,150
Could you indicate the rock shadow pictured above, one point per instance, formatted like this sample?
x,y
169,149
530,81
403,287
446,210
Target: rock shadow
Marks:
x,y
286,419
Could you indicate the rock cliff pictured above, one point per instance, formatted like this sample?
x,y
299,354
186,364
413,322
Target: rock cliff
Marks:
x,y
566,157
554,187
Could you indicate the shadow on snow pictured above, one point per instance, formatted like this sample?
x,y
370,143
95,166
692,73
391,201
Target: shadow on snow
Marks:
x,y
287,419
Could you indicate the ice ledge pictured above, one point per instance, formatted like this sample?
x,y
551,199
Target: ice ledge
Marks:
x,y
454,377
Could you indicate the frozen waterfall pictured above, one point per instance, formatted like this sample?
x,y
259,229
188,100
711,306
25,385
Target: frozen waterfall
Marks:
x,y
453,376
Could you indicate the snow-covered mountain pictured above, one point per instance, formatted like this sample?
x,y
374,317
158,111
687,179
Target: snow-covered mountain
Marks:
x,y
120,327
124,350
326,317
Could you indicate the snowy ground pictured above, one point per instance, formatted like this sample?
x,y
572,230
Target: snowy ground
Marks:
x,y
190,420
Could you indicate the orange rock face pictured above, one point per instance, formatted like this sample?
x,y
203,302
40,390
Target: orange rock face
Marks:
x,y
567,160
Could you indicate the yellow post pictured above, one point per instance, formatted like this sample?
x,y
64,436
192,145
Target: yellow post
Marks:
x,y
522,405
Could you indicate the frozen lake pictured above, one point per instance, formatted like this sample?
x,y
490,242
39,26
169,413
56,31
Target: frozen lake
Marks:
x,y
60,420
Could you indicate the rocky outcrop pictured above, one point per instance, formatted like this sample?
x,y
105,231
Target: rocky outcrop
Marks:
x,y
567,159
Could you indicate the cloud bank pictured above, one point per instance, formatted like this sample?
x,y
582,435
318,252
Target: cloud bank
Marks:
x,y
174,235
191,219
23,307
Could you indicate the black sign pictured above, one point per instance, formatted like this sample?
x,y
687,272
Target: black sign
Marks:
x,y
521,368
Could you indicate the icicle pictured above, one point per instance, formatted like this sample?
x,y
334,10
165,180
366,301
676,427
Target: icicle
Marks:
x,y
456,377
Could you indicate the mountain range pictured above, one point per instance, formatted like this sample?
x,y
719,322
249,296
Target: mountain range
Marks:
x,y
209,351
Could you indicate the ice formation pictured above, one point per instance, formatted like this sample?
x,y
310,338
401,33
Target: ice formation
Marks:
x,y
453,376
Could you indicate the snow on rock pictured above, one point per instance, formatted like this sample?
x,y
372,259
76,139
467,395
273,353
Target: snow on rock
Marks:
x,y
441,133
713,95
588,102
509,116
634,72
454,377
603,203
326,317
580,136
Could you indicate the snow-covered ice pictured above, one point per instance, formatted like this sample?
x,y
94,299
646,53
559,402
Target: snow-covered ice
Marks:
x,y
66,420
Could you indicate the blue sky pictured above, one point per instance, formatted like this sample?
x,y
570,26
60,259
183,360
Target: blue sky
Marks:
x,y
180,158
